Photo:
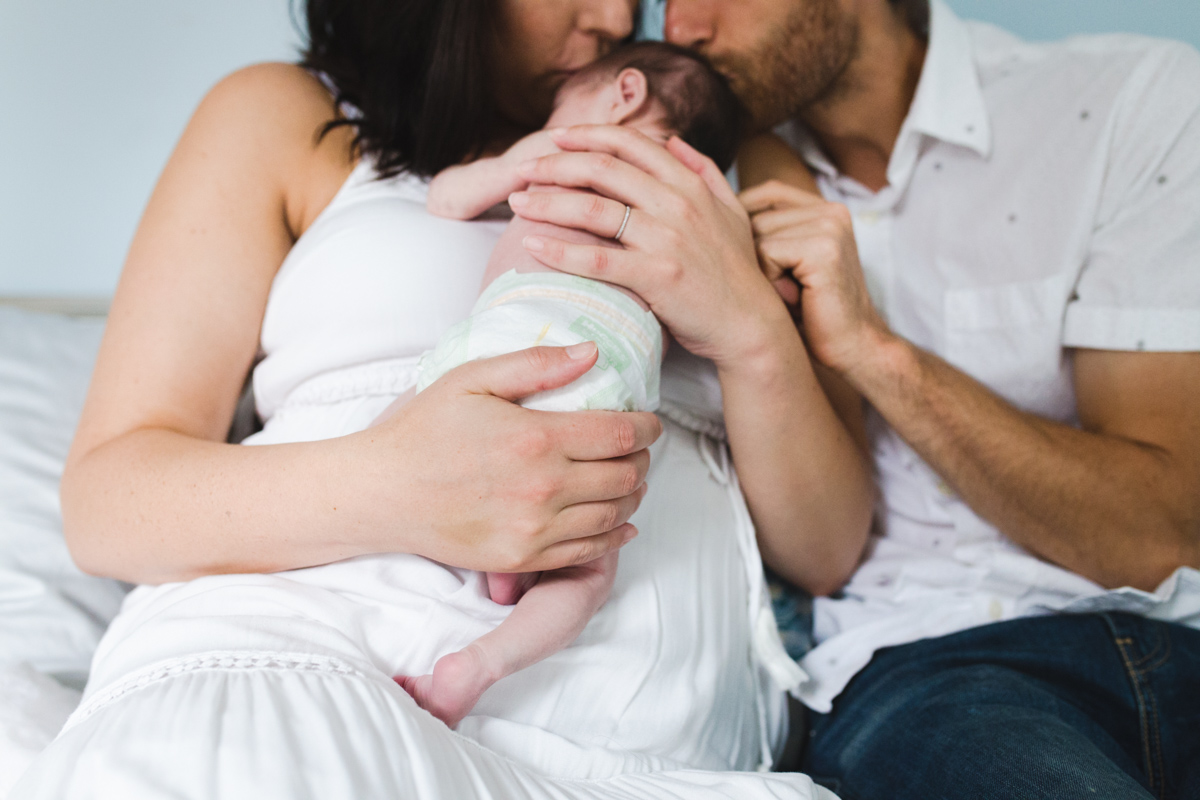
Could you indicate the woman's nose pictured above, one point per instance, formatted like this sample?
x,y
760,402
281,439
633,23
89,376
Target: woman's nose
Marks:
x,y
689,23
608,19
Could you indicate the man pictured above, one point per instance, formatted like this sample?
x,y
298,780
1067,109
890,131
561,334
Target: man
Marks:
x,y
1006,267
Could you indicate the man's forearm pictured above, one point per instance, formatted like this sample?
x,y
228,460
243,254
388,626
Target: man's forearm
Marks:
x,y
1105,507
806,482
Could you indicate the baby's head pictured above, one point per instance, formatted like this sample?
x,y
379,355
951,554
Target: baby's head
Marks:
x,y
659,89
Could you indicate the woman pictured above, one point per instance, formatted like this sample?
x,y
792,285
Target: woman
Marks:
x,y
271,228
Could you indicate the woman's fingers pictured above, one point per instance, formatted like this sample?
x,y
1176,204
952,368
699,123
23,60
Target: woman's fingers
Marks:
x,y
572,552
601,435
630,146
582,210
610,264
706,168
612,479
589,519
515,376
603,173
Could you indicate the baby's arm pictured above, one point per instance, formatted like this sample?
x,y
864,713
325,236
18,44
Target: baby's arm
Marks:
x,y
467,190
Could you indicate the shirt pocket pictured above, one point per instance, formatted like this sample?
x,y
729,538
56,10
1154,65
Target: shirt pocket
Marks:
x,y
1009,337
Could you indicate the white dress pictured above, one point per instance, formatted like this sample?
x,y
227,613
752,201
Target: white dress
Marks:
x,y
280,686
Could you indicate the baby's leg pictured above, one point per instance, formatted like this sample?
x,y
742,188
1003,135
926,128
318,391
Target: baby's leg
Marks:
x,y
506,588
549,617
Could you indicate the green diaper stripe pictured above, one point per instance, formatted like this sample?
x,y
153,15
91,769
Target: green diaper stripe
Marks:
x,y
612,354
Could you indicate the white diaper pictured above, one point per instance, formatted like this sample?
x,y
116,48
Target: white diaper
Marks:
x,y
522,310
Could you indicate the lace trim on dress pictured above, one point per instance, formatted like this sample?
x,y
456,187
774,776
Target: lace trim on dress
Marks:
x,y
212,661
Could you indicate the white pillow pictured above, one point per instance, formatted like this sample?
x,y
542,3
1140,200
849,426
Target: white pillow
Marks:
x,y
51,614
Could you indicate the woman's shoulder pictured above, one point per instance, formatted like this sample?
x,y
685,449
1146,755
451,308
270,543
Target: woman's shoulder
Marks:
x,y
275,114
270,88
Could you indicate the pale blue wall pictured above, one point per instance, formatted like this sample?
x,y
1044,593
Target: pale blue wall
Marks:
x,y
1052,19
93,94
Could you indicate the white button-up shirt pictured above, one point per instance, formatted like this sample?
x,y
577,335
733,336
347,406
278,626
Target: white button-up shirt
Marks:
x,y
1040,197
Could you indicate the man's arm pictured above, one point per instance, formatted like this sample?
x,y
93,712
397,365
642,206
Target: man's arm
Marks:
x,y
1117,501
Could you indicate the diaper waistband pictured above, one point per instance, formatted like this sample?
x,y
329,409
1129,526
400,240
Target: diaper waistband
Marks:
x,y
607,304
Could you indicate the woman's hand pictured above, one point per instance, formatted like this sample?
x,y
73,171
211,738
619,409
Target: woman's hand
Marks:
x,y
688,250
802,235
485,484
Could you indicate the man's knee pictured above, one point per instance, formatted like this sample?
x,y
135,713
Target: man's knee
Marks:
x,y
976,730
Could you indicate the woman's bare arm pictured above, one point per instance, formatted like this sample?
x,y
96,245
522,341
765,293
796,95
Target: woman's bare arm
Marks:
x,y
152,494
762,158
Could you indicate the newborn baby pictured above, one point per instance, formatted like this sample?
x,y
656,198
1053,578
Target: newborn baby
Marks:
x,y
660,90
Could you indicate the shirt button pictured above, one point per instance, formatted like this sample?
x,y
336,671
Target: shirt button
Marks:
x,y
944,489
995,610
869,217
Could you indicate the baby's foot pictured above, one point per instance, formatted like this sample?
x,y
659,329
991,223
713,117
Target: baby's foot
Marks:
x,y
455,686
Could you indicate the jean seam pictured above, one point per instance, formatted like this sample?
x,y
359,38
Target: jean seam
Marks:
x,y
1160,786
1162,644
1165,647
1147,706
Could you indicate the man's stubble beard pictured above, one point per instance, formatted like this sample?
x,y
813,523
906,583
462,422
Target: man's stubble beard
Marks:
x,y
795,66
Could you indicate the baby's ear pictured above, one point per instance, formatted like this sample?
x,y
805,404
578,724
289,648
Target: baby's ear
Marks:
x,y
632,92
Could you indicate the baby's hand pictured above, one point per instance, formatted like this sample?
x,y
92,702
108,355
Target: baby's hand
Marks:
x,y
465,191
535,145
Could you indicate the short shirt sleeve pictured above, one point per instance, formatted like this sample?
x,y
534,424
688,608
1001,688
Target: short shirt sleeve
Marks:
x,y
1140,286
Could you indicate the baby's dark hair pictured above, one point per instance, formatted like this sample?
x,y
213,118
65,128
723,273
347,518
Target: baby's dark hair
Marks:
x,y
700,106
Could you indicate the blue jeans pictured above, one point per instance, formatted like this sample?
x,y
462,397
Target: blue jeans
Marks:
x,y
1093,706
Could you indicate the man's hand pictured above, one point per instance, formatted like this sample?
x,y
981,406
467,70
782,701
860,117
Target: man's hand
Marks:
x,y
1112,502
799,234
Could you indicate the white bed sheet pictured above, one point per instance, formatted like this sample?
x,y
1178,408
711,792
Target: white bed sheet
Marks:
x,y
51,614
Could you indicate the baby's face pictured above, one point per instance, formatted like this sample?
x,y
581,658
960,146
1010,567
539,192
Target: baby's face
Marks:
x,y
603,102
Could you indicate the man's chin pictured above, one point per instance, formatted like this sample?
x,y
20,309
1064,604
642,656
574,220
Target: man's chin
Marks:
x,y
765,113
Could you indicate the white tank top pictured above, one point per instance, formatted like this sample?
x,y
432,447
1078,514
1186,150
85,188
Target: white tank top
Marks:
x,y
375,279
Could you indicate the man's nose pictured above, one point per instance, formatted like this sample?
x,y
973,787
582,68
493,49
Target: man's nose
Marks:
x,y
689,23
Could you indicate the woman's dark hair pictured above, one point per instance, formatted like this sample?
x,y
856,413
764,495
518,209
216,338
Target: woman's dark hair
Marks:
x,y
417,70
700,106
